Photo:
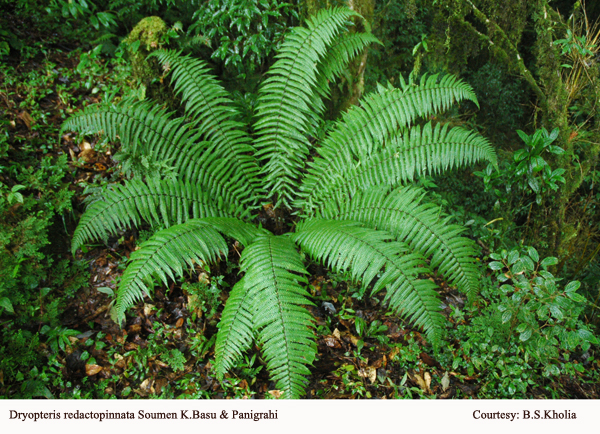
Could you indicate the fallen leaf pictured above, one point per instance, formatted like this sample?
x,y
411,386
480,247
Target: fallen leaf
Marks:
x,y
203,278
447,394
146,386
368,372
422,382
336,333
445,381
332,342
26,118
130,346
427,378
161,363
92,369
87,154
179,323
275,393
134,328
429,361
467,390
159,384
572,135
148,309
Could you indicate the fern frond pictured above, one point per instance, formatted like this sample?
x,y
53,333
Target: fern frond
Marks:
x,y
282,321
419,151
234,228
164,253
284,105
148,130
366,252
420,225
213,114
156,202
236,331
342,51
364,130
137,124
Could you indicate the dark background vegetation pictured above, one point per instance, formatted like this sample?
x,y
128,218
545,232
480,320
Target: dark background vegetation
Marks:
x,y
535,68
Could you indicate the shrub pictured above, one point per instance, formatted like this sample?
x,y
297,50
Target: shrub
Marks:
x,y
529,325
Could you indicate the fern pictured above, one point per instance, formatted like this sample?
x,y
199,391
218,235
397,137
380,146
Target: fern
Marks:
x,y
236,328
421,226
274,272
284,109
364,130
352,208
214,116
167,251
346,246
419,151
154,202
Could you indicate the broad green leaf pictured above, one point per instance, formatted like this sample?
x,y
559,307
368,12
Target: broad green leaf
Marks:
x,y
549,261
526,334
572,286
496,265
513,256
6,304
533,254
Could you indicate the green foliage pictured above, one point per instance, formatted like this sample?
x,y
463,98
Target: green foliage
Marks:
x,y
401,26
529,325
82,8
242,34
204,295
37,276
225,170
8,40
574,43
535,307
175,359
19,350
58,337
528,174
29,212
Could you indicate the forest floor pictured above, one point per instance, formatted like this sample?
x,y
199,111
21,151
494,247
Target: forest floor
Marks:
x,y
166,346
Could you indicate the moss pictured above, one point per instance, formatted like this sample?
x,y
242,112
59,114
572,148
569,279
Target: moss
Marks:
x,y
150,31
148,35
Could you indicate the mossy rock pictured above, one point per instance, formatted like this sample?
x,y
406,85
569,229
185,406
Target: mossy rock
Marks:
x,y
147,36
150,31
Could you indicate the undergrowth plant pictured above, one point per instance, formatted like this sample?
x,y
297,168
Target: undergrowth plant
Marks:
x,y
344,200
526,328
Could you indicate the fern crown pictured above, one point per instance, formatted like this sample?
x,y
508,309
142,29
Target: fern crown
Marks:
x,y
355,209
